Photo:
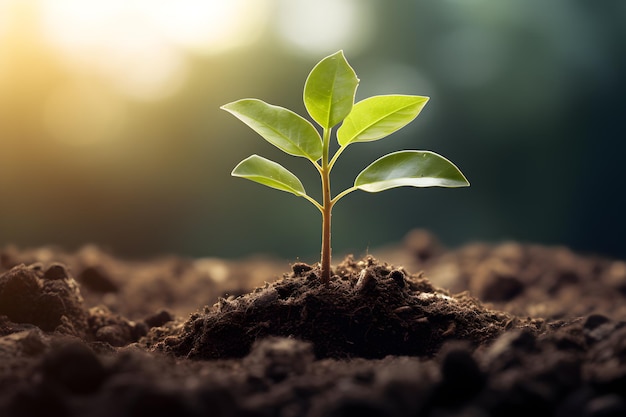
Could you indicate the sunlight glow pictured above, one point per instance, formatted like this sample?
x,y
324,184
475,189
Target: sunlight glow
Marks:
x,y
79,114
4,16
207,25
324,26
142,45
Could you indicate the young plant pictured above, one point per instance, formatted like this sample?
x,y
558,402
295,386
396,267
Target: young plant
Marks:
x,y
329,94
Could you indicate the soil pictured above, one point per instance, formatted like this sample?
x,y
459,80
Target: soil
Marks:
x,y
506,329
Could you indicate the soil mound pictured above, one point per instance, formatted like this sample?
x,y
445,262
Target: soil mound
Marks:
x,y
369,310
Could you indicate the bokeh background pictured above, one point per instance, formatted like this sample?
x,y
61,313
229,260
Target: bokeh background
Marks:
x,y
111,133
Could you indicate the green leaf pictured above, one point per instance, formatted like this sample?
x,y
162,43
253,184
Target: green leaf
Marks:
x,y
282,128
269,173
379,116
410,168
329,90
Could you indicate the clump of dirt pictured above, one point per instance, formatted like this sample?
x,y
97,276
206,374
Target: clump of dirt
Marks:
x,y
50,299
368,310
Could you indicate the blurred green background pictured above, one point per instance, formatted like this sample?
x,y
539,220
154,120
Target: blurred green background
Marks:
x,y
111,133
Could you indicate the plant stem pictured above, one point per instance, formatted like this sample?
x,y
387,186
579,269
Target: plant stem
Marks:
x,y
327,207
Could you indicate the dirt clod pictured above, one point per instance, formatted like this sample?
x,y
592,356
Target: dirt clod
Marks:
x,y
28,295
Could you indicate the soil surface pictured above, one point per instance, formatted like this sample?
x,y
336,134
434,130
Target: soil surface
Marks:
x,y
505,329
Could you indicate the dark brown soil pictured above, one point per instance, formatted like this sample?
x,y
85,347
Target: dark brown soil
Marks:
x,y
519,330
368,311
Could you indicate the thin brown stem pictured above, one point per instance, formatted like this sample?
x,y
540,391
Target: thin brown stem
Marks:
x,y
327,206
326,247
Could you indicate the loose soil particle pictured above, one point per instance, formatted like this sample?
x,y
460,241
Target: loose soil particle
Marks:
x,y
523,330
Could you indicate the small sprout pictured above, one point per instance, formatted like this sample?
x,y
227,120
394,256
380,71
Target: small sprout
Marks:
x,y
329,94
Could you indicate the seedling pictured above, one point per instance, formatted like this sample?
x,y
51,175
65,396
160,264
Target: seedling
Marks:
x,y
329,94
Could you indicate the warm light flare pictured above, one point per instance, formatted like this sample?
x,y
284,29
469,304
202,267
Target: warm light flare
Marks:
x,y
309,26
79,114
141,45
206,25
68,67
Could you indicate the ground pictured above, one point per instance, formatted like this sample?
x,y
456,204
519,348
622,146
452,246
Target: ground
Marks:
x,y
415,330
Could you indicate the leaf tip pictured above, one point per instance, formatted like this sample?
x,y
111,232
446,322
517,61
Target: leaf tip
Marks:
x,y
227,106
